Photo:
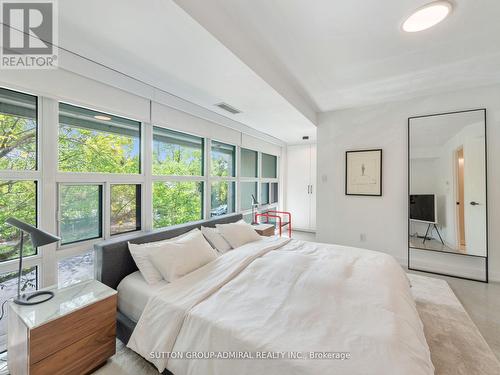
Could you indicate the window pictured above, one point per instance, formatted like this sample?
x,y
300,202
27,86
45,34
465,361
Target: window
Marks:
x,y
80,209
17,199
176,202
264,193
8,283
176,154
248,190
75,269
223,160
248,163
125,208
274,192
269,166
91,141
222,198
18,131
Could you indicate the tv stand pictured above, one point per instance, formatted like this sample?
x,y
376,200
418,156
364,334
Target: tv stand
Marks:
x,y
437,230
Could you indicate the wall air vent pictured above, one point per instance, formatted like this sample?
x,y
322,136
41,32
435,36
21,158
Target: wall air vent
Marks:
x,y
228,108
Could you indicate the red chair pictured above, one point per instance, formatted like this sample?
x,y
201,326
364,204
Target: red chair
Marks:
x,y
281,221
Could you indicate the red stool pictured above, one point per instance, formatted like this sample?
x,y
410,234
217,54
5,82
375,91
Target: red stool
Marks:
x,y
276,215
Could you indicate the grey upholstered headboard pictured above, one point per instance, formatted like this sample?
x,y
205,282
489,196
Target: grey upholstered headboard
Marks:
x,y
112,258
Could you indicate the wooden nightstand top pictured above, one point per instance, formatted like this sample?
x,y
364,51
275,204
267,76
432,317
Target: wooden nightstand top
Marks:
x,y
264,229
66,300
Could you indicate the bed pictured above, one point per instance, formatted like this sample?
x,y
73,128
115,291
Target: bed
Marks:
x,y
273,306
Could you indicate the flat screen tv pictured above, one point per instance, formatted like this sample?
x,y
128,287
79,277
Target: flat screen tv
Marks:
x,y
423,208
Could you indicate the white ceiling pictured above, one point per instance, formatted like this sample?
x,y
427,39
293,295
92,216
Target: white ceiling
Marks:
x,y
347,53
282,61
159,43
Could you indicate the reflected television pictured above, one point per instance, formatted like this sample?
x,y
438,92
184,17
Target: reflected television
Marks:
x,y
423,208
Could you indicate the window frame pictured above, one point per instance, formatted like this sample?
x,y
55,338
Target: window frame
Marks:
x,y
210,179
103,112
138,206
101,216
29,175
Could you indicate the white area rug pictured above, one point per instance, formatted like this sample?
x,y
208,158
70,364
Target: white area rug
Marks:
x,y
457,347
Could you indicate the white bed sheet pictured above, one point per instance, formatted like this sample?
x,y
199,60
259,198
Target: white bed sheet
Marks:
x,y
134,293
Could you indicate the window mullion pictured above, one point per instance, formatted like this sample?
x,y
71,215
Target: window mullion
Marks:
x,y
147,170
208,171
47,204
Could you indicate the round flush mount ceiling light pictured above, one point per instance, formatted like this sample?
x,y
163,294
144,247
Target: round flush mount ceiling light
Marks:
x,y
427,16
102,117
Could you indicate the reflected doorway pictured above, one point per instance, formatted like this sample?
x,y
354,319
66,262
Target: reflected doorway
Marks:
x,y
459,160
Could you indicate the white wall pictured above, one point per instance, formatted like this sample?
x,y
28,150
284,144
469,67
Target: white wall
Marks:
x,y
342,219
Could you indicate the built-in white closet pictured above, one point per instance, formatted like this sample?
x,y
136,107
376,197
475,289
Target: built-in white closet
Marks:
x,y
301,186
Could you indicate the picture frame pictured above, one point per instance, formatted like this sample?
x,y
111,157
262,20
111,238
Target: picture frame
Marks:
x,y
363,172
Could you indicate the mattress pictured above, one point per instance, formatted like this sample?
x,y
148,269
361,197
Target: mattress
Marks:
x,y
134,293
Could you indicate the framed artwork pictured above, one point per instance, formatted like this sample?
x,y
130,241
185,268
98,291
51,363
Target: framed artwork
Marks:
x,y
363,172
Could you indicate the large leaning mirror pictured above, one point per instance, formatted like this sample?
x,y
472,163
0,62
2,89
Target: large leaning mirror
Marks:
x,y
447,208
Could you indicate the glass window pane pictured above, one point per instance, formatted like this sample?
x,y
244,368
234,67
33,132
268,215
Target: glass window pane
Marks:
x,y
248,163
176,154
274,192
269,165
125,208
18,200
264,193
18,130
80,208
248,218
91,141
8,281
247,190
75,269
223,160
177,203
222,198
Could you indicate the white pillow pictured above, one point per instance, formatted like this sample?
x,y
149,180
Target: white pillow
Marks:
x,y
176,259
238,234
140,254
215,239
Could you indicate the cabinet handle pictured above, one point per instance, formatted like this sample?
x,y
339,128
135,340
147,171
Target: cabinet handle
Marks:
x,y
311,189
308,189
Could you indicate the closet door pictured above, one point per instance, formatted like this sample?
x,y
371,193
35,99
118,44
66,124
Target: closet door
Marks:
x,y
312,194
298,185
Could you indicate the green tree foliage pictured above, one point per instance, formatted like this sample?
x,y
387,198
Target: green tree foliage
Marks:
x,y
17,198
124,208
177,202
17,143
85,150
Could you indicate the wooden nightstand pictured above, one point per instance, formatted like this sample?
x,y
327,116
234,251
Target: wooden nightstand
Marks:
x,y
73,333
264,229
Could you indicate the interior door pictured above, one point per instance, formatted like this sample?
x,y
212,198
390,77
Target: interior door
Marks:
x,y
475,195
313,182
298,185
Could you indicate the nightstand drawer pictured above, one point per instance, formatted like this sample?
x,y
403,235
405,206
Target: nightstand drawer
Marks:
x,y
80,357
58,334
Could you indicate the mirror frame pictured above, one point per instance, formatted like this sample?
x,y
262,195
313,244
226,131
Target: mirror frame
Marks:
x,y
487,201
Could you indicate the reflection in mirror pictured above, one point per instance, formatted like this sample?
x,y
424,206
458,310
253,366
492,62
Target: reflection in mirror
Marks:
x,y
447,203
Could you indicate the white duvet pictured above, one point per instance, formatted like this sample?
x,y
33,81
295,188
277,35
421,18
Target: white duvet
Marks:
x,y
277,301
